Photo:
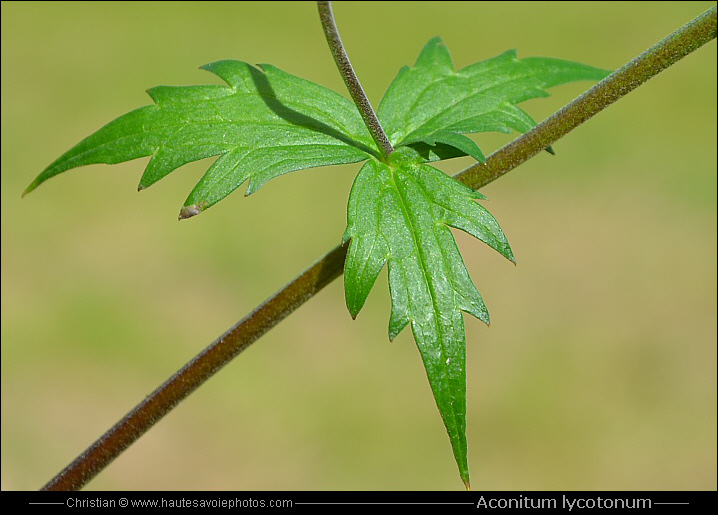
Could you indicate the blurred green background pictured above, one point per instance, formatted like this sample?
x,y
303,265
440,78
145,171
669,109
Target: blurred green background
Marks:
x,y
599,368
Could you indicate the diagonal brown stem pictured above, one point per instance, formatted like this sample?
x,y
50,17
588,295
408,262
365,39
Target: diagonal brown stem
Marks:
x,y
650,63
662,55
198,370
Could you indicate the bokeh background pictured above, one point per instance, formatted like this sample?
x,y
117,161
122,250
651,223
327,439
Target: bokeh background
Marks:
x,y
599,368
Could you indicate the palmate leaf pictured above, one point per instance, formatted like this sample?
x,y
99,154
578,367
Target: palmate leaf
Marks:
x,y
263,124
266,122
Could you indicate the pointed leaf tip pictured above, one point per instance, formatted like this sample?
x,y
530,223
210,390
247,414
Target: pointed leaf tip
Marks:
x,y
34,184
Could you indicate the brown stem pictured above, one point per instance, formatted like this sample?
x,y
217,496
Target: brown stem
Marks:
x,y
650,63
668,51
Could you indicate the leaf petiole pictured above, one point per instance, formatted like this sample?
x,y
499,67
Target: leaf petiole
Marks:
x,y
350,79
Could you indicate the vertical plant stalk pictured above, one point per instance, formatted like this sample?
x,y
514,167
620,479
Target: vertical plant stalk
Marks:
x,y
350,79
668,51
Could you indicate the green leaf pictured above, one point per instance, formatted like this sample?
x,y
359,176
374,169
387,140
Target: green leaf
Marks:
x,y
430,100
266,122
263,124
457,141
400,213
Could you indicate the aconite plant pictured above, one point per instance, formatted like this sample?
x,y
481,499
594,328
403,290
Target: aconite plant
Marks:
x,y
265,123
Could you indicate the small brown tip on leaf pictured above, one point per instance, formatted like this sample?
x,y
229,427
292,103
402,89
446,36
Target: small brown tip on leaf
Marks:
x,y
550,150
140,187
467,485
189,211
249,190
